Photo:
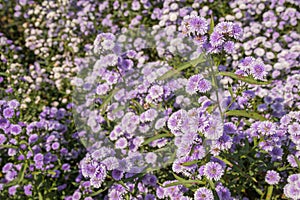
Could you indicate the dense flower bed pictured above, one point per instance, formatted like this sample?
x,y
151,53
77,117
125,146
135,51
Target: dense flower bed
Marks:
x,y
150,99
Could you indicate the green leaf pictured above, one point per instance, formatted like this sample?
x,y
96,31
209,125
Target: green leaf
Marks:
x,y
211,108
189,163
157,137
258,190
186,183
107,100
269,193
22,173
178,177
297,161
212,24
138,105
102,190
184,66
3,74
7,146
40,196
244,78
244,113
224,160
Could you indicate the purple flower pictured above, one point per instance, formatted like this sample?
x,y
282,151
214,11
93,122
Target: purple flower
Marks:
x,y
156,91
33,138
99,176
237,32
160,123
194,25
292,161
8,113
66,167
102,89
150,180
61,187
117,174
7,167
223,192
150,197
203,193
294,129
121,143
258,70
4,123
28,190
39,160
213,170
13,104
151,158
55,145
176,121
200,40
15,129
216,39
204,86
198,25
111,163
2,139
12,190
224,28
267,128
192,84
292,189
76,195
229,47
272,177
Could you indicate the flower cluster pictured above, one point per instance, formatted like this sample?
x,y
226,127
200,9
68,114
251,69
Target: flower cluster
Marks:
x,y
149,99
253,67
220,38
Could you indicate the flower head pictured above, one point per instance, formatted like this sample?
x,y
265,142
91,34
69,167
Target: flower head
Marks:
x,y
213,170
203,193
272,177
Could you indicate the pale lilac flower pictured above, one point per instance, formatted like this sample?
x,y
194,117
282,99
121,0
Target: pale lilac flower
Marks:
x,y
294,129
198,25
192,84
156,91
102,89
13,190
267,128
99,176
8,113
258,70
28,190
272,177
225,28
121,143
15,129
228,47
2,139
203,193
204,86
213,171
223,192
117,174
151,158
216,39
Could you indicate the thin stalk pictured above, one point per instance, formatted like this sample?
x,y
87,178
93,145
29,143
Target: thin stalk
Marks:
x,y
215,85
269,193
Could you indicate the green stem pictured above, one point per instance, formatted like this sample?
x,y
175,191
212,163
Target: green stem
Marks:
x,y
211,184
215,85
269,193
